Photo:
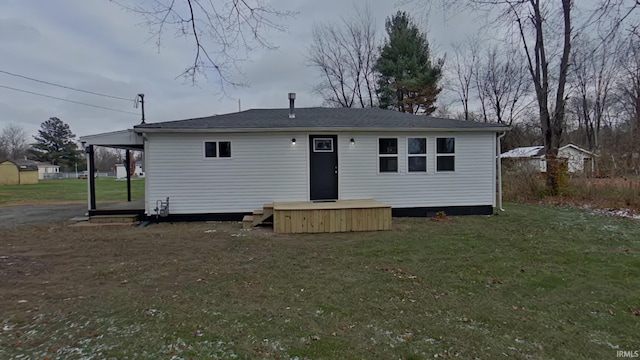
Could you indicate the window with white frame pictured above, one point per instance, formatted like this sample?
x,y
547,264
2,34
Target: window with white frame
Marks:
x,y
217,149
388,155
445,154
417,155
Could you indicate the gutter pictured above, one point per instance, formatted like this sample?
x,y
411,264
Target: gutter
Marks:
x,y
499,164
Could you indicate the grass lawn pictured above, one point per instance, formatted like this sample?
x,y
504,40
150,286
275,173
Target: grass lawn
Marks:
x,y
69,191
535,282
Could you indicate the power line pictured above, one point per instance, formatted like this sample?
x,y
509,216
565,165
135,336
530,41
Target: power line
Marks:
x,y
65,87
67,100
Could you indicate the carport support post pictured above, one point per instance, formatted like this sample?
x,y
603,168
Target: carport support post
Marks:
x,y
91,177
127,166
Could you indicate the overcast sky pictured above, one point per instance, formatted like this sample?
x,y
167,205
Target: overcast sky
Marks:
x,y
97,46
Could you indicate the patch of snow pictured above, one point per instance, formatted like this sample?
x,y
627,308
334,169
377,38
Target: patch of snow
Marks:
x,y
624,213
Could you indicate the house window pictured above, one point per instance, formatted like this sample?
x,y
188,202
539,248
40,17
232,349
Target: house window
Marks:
x,y
220,149
388,154
417,154
445,154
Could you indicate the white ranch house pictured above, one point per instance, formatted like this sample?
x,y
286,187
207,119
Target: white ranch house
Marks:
x,y
228,165
578,159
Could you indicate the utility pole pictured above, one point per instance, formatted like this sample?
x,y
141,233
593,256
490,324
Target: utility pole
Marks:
x,y
140,99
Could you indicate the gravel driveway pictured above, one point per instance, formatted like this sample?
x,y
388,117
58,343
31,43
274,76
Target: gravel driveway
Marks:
x,y
11,216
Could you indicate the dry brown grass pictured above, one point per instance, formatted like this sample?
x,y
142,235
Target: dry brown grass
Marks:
x,y
527,186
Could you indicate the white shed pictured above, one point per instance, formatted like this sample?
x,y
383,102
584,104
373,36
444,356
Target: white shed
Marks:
x,y
229,165
121,171
578,159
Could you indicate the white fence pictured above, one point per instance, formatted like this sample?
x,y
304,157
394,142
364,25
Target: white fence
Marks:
x,y
73,175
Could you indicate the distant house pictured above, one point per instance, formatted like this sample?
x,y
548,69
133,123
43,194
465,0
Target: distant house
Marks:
x,y
18,172
578,159
47,170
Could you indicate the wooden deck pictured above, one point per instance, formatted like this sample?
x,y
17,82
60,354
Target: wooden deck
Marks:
x,y
329,217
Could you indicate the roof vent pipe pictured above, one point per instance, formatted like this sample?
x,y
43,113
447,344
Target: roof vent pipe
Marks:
x,y
292,100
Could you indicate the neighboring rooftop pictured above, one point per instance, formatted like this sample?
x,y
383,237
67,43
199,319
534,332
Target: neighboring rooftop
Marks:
x,y
524,152
23,165
45,164
537,151
321,118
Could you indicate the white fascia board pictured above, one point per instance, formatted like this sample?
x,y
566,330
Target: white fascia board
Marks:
x,y
304,129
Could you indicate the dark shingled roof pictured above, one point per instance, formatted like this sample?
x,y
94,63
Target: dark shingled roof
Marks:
x,y
320,118
26,165
23,165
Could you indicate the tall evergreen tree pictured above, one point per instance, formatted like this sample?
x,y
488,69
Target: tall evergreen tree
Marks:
x,y
55,143
408,78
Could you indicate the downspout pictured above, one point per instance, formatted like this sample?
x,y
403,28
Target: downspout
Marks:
x,y
146,179
499,163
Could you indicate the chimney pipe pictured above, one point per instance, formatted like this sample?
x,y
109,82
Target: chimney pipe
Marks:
x,y
292,100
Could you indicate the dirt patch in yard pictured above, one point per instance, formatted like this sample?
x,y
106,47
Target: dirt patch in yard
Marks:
x,y
12,216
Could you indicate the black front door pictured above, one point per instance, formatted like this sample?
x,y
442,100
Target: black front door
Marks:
x,y
323,164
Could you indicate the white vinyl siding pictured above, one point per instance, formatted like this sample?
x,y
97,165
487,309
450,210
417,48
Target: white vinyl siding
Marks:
x,y
262,169
473,182
268,167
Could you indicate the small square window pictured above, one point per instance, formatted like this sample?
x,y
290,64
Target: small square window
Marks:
x,y
322,145
446,163
417,164
210,149
387,146
224,149
389,164
445,146
417,145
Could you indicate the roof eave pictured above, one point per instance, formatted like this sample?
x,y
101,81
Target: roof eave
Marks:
x,y
322,129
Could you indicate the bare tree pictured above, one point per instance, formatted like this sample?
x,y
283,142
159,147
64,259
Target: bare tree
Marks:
x,y
465,63
223,31
13,141
502,85
593,73
345,53
105,159
545,30
627,88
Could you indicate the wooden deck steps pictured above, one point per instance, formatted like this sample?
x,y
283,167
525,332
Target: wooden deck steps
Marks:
x,y
259,217
322,217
